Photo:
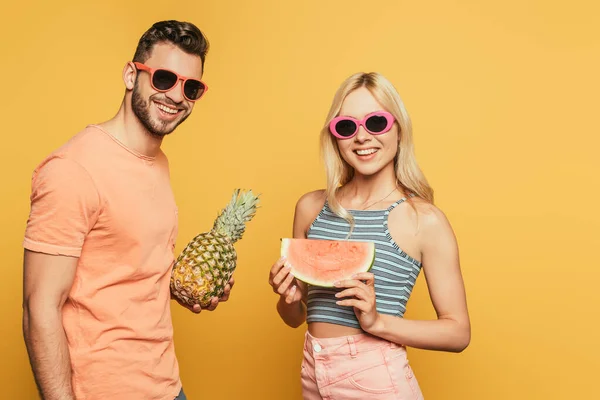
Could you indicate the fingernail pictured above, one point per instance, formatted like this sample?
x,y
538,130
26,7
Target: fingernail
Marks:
x,y
336,283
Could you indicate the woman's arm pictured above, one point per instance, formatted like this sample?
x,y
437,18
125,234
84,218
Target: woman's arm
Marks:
x,y
451,331
291,305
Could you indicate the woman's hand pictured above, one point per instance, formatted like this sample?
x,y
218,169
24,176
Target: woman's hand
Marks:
x,y
360,294
283,282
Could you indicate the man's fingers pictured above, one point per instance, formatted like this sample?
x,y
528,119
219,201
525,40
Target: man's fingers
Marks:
x,y
195,308
226,290
225,296
214,302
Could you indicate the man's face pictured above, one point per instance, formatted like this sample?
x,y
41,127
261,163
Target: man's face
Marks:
x,y
162,112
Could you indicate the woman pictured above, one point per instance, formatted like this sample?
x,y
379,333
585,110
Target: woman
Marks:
x,y
355,345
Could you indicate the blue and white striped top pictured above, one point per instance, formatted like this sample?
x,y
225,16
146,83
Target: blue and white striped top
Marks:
x,y
395,271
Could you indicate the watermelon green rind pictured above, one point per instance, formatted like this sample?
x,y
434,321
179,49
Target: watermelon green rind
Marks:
x,y
366,267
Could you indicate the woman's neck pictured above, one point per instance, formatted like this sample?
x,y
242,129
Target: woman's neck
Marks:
x,y
364,192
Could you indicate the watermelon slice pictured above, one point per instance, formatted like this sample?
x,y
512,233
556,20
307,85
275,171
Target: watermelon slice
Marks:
x,y
323,262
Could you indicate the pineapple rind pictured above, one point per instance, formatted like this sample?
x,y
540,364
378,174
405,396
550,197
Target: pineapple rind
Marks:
x,y
208,261
199,274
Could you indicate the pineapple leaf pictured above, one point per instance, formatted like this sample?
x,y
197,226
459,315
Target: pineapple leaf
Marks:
x,y
231,221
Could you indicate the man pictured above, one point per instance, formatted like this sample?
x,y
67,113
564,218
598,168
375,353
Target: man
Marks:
x,y
100,237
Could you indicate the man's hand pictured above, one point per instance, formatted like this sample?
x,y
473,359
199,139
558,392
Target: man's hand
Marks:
x,y
214,301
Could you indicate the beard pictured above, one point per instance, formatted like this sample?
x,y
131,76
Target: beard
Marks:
x,y
155,127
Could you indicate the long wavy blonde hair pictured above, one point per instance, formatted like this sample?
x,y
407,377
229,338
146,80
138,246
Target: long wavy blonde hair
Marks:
x,y
409,176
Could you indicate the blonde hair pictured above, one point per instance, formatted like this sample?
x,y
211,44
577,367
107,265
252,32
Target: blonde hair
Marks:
x,y
409,176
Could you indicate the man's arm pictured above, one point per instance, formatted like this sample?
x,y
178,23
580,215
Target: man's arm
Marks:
x,y
64,208
47,281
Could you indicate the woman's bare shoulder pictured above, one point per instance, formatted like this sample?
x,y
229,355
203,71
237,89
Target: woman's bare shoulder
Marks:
x,y
420,217
308,207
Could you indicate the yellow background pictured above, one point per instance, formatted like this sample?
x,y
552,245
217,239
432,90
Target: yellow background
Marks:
x,y
504,100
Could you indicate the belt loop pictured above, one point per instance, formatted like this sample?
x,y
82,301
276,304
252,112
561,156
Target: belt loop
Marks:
x,y
352,346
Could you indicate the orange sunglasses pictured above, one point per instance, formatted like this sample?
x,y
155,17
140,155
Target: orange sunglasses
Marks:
x,y
163,80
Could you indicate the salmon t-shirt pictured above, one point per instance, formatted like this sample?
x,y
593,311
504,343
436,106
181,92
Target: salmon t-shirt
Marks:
x,y
113,208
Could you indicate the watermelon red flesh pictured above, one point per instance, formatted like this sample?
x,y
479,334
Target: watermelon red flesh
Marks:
x,y
323,262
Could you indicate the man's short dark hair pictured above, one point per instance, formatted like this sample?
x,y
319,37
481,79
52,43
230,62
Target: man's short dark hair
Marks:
x,y
184,35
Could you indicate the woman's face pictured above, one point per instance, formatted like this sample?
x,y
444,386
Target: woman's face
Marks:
x,y
368,154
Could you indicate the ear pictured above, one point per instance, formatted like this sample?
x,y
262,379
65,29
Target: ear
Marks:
x,y
129,75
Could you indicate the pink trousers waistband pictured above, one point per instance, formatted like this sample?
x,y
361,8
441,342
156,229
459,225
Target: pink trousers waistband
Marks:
x,y
344,345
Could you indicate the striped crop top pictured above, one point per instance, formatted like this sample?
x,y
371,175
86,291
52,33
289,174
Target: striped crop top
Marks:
x,y
395,271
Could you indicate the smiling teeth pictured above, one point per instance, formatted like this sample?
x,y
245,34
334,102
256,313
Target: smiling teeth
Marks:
x,y
365,152
166,109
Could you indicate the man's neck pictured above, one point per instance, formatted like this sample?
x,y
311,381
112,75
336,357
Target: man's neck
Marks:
x,y
127,129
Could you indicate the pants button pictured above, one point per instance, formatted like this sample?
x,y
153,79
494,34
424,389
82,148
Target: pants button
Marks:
x,y
317,347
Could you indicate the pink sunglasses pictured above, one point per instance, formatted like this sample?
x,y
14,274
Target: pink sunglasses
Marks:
x,y
376,123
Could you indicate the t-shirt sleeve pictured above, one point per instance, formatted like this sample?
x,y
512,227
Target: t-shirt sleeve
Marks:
x,y
64,208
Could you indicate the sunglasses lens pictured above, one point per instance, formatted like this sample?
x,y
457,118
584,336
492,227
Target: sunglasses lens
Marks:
x,y
345,127
376,123
193,89
164,80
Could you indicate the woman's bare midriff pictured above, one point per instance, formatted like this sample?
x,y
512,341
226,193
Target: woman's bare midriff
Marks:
x,y
327,330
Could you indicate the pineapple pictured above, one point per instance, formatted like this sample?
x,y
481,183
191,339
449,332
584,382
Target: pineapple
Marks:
x,y
206,264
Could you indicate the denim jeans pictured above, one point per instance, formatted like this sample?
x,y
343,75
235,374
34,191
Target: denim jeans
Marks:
x,y
181,395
